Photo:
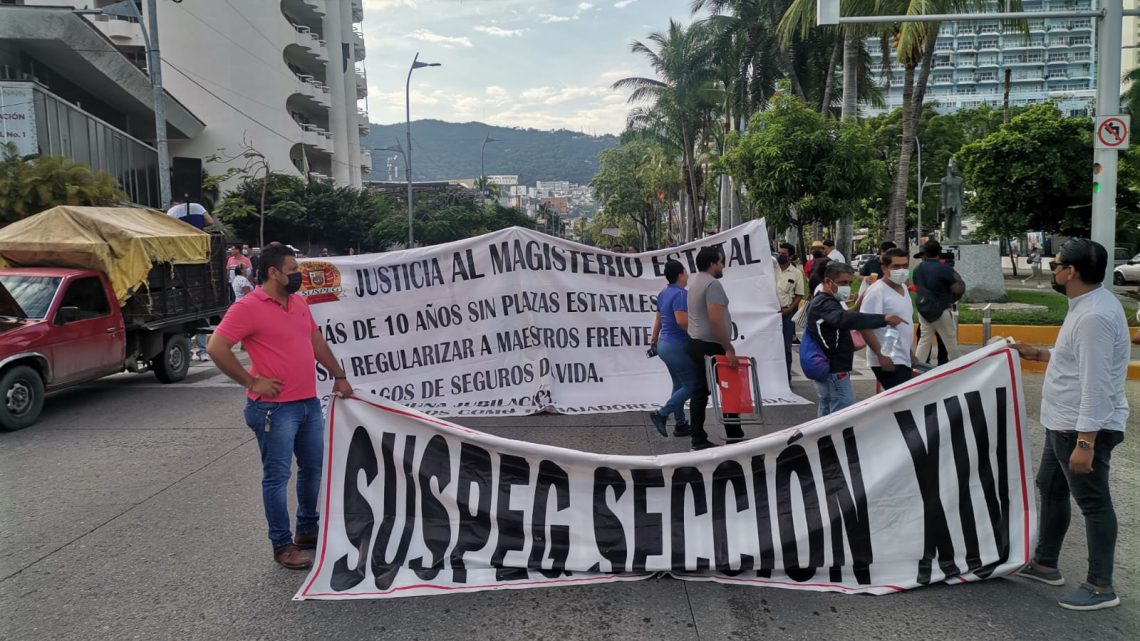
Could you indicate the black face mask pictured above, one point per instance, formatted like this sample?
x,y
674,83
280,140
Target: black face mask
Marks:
x,y
294,284
1058,287
782,260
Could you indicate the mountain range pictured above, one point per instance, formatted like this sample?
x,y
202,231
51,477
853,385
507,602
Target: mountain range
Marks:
x,y
448,150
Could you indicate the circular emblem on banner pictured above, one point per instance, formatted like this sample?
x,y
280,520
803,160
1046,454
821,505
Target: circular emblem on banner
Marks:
x,y
320,282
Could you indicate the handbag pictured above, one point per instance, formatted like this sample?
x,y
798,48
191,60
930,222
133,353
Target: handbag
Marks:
x,y
858,340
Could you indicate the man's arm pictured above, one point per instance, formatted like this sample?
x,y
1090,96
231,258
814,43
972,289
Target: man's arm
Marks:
x,y
656,329
325,357
682,318
720,331
221,352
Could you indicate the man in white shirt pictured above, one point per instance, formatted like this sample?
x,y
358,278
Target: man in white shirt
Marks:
x,y
1083,409
889,295
191,214
832,252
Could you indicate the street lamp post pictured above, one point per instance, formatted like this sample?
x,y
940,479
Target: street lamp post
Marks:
x,y
482,171
416,64
918,232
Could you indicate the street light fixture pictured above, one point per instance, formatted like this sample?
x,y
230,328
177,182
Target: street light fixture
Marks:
x,y
482,171
416,64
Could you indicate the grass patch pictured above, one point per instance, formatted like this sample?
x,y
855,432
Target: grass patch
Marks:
x,y
1057,306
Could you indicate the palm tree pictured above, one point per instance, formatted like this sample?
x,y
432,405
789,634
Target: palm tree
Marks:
x,y
29,185
682,100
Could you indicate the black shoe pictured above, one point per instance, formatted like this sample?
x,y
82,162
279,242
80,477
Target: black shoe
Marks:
x,y
702,445
659,422
734,440
682,429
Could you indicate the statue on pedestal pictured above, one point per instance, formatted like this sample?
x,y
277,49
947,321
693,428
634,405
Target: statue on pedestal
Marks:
x,y
952,202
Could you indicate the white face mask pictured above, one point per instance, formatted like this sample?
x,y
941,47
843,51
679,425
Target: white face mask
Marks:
x,y
898,276
843,292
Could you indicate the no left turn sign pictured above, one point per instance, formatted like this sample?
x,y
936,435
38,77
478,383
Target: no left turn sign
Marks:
x,y
1112,132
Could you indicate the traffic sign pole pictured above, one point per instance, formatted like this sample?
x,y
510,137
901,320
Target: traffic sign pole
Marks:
x,y
1110,31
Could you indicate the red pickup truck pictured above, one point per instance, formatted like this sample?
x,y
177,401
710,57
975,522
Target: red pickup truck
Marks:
x,y
62,327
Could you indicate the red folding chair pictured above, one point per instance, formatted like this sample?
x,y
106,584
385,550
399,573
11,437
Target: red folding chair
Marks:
x,y
735,391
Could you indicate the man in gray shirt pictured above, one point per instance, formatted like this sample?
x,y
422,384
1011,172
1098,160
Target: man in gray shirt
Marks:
x,y
710,329
1083,410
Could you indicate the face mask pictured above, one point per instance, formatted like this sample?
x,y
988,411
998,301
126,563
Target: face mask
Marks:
x,y
1058,287
294,284
782,260
898,276
843,292
245,252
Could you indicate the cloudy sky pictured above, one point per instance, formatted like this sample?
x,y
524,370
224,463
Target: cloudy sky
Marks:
x,y
546,64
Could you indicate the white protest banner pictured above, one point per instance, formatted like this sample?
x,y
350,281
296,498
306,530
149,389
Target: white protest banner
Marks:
x,y
516,322
924,483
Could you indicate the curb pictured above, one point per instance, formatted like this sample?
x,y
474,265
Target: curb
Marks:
x,y
1033,334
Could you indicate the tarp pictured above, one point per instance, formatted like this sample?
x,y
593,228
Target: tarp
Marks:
x,y
929,482
121,242
516,322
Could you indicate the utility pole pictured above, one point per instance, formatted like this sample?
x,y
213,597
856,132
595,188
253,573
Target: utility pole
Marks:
x,y
154,64
1107,104
416,64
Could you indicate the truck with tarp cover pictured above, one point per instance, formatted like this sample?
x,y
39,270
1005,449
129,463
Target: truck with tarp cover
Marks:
x,y
86,292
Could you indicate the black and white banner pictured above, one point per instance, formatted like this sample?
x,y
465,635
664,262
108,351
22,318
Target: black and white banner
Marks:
x,y
925,483
516,322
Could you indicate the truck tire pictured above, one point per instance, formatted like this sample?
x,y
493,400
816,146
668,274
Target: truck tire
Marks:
x,y
172,364
21,397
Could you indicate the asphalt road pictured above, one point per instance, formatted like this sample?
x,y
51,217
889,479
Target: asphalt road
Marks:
x,y
133,511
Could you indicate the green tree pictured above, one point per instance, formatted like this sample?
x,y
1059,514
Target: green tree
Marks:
x,y
1031,174
801,167
33,184
445,217
633,181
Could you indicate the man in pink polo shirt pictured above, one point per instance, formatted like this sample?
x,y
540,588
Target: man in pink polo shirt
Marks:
x,y
274,324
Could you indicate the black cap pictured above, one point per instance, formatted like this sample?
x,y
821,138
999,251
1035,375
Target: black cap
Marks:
x,y
932,247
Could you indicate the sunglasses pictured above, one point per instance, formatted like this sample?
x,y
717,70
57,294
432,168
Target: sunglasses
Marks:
x,y
1053,265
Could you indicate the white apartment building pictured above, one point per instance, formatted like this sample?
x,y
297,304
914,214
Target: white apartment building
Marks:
x,y
1130,53
1054,61
282,76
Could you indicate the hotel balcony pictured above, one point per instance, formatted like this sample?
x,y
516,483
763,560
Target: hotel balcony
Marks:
x,y
362,122
366,160
311,43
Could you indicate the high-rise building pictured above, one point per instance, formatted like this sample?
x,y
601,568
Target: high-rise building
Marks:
x,y
1054,59
1130,40
283,77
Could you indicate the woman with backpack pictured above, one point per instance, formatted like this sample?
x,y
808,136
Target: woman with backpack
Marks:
x,y
827,349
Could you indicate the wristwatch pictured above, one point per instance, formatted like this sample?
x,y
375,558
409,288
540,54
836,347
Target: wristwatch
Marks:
x,y
1084,445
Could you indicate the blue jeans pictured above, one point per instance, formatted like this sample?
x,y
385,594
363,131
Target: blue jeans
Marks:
x,y
1090,491
284,430
835,393
681,371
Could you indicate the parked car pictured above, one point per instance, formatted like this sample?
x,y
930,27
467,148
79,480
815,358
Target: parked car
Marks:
x,y
1121,256
857,262
62,324
1129,272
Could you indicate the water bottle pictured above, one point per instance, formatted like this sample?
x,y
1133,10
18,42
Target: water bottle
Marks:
x,y
890,343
